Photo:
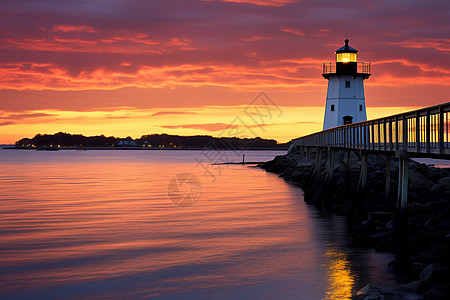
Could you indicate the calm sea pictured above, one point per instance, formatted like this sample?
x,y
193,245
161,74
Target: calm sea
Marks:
x,y
168,225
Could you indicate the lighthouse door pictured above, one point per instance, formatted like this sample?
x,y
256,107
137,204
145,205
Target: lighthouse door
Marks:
x,y
348,120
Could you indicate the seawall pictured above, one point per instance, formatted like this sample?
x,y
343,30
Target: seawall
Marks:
x,y
330,182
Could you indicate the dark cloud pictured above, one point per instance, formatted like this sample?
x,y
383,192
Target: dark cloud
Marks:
x,y
25,115
164,113
28,115
206,126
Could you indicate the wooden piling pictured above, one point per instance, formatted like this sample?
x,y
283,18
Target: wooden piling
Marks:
x,y
400,238
388,178
357,205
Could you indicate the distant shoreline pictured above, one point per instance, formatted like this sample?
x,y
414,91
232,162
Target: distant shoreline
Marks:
x,y
136,148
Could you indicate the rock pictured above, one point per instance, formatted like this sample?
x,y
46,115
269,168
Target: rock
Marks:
x,y
418,287
376,292
418,208
390,225
418,182
442,185
434,274
436,222
380,217
435,294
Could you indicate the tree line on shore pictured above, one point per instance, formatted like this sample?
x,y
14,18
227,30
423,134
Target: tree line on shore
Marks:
x,y
61,140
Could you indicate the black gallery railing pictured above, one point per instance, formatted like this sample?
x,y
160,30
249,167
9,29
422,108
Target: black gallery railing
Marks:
x,y
421,131
361,67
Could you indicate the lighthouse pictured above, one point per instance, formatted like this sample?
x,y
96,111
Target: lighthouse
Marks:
x,y
345,95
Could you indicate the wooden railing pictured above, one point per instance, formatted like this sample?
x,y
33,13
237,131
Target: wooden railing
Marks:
x,y
423,131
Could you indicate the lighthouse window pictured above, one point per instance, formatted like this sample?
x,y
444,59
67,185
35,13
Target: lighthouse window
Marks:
x,y
347,84
345,57
332,107
360,107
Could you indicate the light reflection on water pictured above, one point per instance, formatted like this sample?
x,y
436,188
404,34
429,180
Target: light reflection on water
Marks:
x,y
99,224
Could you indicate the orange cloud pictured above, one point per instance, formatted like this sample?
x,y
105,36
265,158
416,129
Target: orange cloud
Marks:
x,y
131,43
286,74
278,3
71,28
47,76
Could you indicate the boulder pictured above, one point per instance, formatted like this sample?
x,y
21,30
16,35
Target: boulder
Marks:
x,y
376,292
418,287
390,225
434,274
442,185
418,182
435,294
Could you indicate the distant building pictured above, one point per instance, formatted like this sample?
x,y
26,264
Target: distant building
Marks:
x,y
126,142
345,96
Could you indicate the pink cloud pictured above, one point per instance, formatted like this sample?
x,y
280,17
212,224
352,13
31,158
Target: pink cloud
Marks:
x,y
255,38
293,31
436,44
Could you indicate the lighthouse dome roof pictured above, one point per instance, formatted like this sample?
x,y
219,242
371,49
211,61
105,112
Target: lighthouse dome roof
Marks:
x,y
346,48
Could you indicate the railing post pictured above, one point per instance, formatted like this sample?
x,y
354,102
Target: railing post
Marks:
x,y
364,136
379,136
361,136
427,132
441,130
353,136
372,129
347,138
405,133
367,136
417,132
391,146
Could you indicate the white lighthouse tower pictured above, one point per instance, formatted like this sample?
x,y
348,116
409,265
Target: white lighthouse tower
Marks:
x,y
345,96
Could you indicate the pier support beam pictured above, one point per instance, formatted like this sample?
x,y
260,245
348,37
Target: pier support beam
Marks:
x,y
347,192
358,198
329,186
400,239
317,163
388,178
314,177
363,178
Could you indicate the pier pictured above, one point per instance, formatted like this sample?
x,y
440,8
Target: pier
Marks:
x,y
418,133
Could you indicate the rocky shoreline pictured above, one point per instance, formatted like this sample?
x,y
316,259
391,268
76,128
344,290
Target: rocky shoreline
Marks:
x,y
371,212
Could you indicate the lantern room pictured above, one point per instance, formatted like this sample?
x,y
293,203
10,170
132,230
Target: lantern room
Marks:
x,y
346,54
345,57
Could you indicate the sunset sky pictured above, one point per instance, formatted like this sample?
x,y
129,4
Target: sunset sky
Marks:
x,y
134,67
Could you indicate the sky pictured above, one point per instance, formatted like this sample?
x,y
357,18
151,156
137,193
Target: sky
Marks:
x,y
188,67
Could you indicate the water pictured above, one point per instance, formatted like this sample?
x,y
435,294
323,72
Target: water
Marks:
x,y
100,224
